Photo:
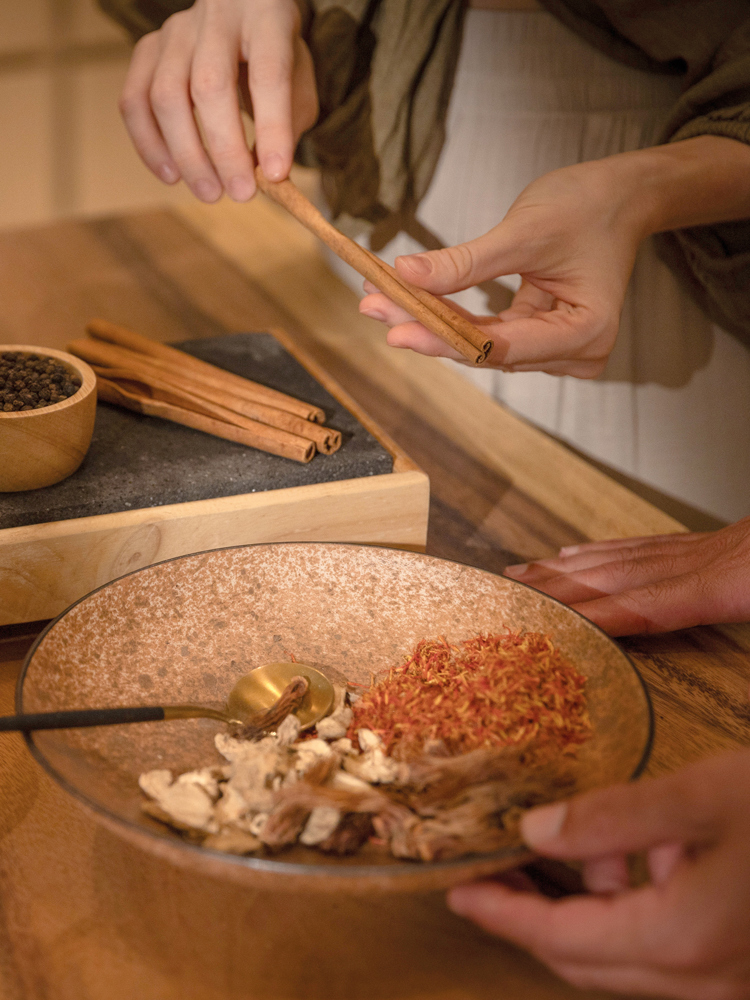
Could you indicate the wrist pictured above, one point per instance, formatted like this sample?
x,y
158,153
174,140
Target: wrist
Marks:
x,y
693,182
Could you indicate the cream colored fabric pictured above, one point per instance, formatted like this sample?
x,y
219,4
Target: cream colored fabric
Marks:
x,y
673,406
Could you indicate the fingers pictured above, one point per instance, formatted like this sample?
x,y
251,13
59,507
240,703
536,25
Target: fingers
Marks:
x,y
666,607
379,306
416,337
171,104
213,89
589,574
405,331
270,54
573,929
637,978
662,861
157,108
650,584
595,575
687,807
581,557
135,108
618,543
685,935
188,72
454,268
556,342
593,943
527,301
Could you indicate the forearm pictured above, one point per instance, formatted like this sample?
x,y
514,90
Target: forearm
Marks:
x,y
695,182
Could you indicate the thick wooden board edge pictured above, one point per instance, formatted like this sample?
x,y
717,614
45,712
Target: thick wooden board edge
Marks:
x,y
44,568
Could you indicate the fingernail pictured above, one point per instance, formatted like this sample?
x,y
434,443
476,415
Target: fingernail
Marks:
x,y
538,826
373,314
240,189
169,173
517,570
273,167
420,264
207,190
569,550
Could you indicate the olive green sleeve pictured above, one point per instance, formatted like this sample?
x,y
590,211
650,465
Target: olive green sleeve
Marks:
x,y
713,262
141,16
384,71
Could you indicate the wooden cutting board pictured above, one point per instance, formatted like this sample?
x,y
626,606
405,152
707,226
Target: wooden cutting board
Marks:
x,y
150,490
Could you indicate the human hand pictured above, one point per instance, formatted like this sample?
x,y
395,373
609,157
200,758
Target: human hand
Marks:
x,y
572,235
653,584
191,67
687,933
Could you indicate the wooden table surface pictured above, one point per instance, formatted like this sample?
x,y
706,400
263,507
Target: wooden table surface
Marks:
x,y
501,492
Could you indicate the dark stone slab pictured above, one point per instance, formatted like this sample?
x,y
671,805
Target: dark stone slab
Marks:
x,y
136,461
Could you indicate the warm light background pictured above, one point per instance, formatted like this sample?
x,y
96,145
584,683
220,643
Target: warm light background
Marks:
x,y
63,148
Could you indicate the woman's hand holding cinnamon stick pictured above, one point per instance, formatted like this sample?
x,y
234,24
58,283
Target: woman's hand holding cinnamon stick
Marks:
x,y
451,327
572,235
194,67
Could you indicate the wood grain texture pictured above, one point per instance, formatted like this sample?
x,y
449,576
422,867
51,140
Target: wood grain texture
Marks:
x,y
85,917
383,510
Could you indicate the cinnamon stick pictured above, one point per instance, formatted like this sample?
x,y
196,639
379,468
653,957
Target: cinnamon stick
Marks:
x,y
153,370
170,358
231,409
271,439
437,316
451,316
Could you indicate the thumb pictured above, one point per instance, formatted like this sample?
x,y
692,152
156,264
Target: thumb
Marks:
x,y
463,265
687,807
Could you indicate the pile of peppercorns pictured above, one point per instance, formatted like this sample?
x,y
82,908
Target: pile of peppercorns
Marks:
x,y
31,381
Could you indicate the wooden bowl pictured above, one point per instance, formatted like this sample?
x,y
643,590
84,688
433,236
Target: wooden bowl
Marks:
x,y
41,447
184,630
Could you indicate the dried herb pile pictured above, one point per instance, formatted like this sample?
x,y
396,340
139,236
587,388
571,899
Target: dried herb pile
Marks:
x,y
475,733
32,381
490,691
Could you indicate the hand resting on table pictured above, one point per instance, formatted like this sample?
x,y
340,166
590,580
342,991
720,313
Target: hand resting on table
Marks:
x,y
653,584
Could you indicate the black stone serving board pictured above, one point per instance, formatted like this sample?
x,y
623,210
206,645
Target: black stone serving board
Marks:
x,y
136,461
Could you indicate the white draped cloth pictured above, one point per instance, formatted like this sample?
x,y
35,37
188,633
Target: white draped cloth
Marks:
x,y
672,408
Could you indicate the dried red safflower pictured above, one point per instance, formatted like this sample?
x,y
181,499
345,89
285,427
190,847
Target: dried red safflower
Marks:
x,y
490,691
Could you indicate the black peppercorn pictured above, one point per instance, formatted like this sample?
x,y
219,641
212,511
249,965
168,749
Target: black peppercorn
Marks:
x,y
30,381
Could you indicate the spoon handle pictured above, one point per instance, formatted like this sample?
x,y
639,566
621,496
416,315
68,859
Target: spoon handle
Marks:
x,y
105,717
81,717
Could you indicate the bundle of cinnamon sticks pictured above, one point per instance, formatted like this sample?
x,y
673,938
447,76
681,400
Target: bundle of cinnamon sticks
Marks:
x,y
152,378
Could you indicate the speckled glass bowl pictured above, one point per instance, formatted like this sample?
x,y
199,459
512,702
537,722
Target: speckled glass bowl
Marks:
x,y
184,630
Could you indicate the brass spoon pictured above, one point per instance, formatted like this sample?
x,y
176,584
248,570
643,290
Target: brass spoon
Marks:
x,y
248,703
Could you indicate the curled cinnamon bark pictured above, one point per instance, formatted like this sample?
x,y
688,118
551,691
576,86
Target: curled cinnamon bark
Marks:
x,y
290,699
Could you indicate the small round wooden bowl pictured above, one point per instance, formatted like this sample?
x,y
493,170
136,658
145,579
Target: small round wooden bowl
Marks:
x,y
41,447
